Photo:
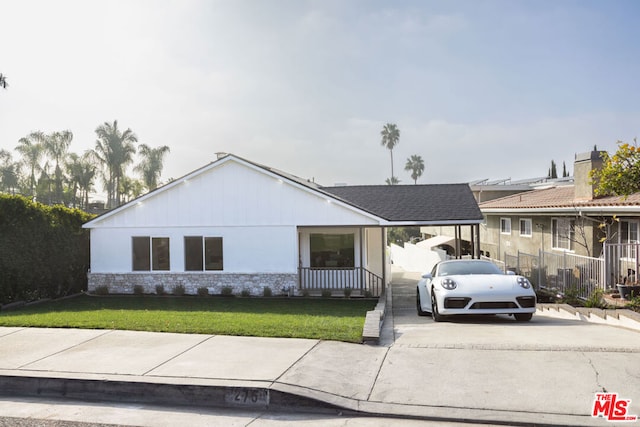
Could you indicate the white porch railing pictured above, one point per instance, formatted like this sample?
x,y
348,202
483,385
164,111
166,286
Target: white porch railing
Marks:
x,y
356,278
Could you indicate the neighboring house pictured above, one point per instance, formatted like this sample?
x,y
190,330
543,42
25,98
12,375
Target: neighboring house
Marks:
x,y
567,218
243,225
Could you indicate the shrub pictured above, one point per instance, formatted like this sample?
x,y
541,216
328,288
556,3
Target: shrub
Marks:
x,y
203,291
178,290
160,290
44,251
634,304
138,289
595,300
347,292
326,293
368,294
102,290
267,292
571,296
305,292
226,291
245,293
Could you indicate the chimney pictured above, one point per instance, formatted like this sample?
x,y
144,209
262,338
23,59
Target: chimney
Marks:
x,y
585,162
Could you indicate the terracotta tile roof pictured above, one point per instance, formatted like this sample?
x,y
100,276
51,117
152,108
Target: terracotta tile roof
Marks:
x,y
556,197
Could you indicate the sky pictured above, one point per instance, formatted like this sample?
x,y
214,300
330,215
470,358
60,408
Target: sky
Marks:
x,y
480,89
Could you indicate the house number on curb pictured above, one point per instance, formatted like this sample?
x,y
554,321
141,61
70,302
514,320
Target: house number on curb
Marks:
x,y
247,397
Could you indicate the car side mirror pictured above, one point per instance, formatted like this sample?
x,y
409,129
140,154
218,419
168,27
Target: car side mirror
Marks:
x,y
427,276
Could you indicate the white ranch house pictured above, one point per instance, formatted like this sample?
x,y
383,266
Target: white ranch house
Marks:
x,y
243,225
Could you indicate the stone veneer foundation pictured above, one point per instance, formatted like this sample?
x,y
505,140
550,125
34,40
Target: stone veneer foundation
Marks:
x,y
124,283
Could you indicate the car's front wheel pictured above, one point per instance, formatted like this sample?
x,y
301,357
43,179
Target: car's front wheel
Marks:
x,y
435,314
523,317
421,312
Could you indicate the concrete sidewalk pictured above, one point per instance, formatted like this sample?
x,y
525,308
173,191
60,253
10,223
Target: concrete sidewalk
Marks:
x,y
411,378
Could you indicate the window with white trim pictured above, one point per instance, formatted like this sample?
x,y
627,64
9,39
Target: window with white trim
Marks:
x,y
628,231
562,232
505,225
526,227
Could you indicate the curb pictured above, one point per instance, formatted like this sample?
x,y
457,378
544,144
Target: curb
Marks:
x,y
245,398
375,318
621,317
269,399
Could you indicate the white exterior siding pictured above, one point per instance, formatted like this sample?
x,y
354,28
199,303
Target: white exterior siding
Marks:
x,y
245,249
256,213
232,194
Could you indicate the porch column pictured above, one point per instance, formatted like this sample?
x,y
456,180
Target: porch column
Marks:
x,y
384,255
361,260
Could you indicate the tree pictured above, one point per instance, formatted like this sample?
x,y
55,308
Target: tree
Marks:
x,y
392,181
3,81
31,148
9,177
114,150
151,165
390,138
553,172
620,173
131,188
82,172
415,164
57,146
564,170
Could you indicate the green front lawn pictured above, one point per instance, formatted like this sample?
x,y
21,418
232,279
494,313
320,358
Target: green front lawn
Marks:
x,y
327,319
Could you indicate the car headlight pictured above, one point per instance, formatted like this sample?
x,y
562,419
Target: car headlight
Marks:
x,y
524,283
448,284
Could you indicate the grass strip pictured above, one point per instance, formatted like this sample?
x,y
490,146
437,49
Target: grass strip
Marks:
x,y
326,319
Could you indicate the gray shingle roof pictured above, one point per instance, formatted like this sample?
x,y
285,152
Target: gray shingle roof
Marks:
x,y
445,203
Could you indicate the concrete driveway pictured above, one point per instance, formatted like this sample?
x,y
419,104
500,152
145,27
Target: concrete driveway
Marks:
x,y
545,366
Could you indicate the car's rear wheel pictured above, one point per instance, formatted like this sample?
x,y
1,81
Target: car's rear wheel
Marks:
x,y
523,317
421,312
435,314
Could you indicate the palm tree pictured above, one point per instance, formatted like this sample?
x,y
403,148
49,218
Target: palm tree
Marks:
x,y
392,181
150,166
9,177
31,149
82,171
3,81
85,177
114,149
57,145
131,188
390,138
415,164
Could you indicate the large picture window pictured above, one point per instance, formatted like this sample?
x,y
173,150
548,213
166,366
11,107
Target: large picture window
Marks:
x,y
203,253
332,250
150,253
562,230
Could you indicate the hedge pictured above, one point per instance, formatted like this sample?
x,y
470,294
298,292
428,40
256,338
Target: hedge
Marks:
x,y
44,251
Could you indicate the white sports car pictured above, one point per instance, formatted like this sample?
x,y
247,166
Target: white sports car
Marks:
x,y
474,287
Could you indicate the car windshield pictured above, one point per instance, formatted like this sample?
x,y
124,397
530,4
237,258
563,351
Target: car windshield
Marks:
x,y
468,267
